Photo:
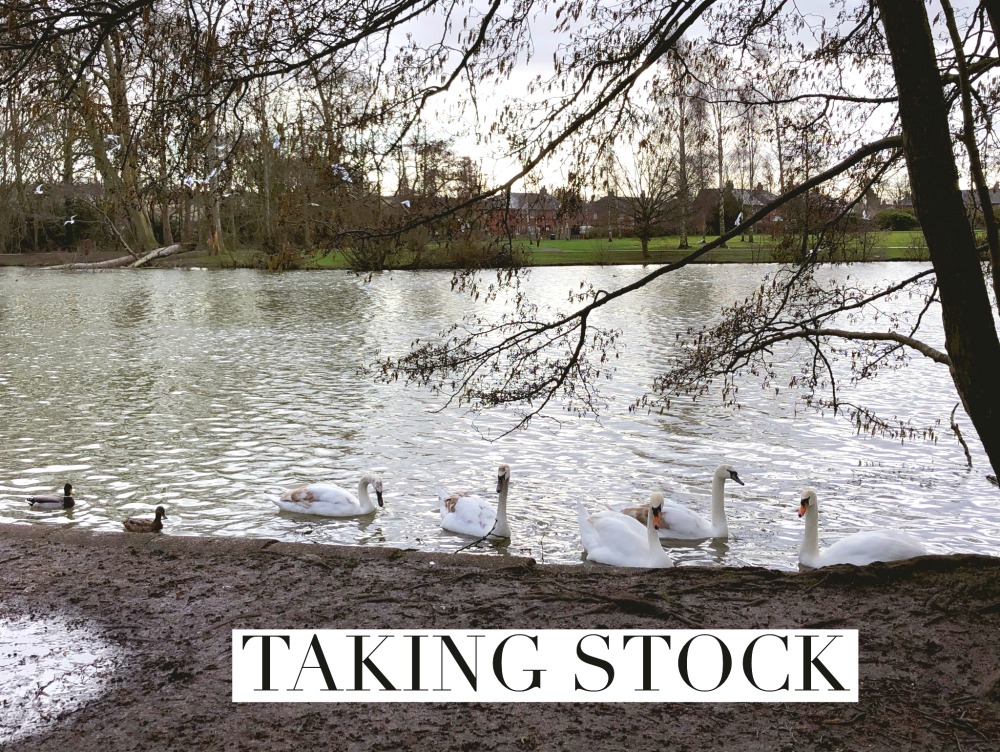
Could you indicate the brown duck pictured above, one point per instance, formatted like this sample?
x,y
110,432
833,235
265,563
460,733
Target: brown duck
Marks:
x,y
143,525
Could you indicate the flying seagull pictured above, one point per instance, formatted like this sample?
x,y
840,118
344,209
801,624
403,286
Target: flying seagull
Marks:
x,y
405,203
739,219
341,172
70,221
38,189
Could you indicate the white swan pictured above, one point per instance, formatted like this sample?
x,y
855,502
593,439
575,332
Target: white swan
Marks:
x,y
329,500
680,523
622,541
860,548
471,515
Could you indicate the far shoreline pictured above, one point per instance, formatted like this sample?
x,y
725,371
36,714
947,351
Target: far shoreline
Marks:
x,y
540,256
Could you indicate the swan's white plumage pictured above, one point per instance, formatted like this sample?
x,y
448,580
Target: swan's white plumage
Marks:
x,y
471,515
330,500
860,548
622,541
680,523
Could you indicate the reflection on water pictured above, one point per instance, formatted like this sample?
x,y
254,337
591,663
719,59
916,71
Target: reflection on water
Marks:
x,y
48,669
209,393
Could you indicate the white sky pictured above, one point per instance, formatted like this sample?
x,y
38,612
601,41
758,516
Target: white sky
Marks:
x,y
819,15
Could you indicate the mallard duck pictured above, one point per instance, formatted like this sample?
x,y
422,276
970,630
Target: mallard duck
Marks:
x,y
145,525
53,501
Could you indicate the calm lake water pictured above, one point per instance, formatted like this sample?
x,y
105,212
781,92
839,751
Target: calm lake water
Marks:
x,y
210,392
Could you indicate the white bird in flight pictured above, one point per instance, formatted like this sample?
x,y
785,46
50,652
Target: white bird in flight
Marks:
x,y
70,221
405,203
341,172
38,189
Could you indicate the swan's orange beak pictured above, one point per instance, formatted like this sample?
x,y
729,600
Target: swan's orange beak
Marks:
x,y
803,507
657,517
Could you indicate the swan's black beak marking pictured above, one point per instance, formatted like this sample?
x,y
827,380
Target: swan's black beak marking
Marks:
x,y
378,495
803,506
657,511
499,483
734,476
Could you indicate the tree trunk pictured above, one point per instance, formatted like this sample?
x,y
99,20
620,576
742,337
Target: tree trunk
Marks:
x,y
683,196
130,261
778,147
970,334
720,157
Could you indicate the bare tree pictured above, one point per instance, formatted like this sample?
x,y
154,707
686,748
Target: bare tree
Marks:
x,y
645,180
598,74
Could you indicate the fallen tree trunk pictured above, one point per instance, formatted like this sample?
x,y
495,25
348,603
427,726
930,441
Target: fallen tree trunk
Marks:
x,y
129,261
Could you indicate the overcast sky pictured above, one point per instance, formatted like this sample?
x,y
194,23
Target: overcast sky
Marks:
x,y
819,15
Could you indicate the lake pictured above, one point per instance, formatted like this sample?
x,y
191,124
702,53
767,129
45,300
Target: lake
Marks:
x,y
211,391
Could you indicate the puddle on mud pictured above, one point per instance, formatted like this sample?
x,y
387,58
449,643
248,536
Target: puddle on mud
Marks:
x,y
47,668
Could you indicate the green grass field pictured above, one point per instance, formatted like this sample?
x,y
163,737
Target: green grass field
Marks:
x,y
883,246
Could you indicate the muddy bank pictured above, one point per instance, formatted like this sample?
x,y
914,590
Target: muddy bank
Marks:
x,y
929,639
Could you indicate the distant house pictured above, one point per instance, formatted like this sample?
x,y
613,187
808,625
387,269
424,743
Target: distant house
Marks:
x,y
704,208
608,215
904,202
969,198
531,215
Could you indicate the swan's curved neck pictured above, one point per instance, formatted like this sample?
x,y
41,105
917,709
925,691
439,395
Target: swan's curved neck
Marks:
x,y
502,528
651,534
810,539
719,503
366,502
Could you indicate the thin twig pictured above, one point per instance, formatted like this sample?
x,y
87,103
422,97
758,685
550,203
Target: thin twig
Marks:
x,y
111,224
480,540
228,621
958,433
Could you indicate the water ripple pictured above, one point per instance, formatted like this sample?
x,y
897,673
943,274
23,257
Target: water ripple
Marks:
x,y
211,393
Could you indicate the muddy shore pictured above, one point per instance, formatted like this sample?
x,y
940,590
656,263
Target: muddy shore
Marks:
x,y
929,644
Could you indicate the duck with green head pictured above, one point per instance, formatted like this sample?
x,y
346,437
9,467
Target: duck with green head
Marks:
x,y
53,501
